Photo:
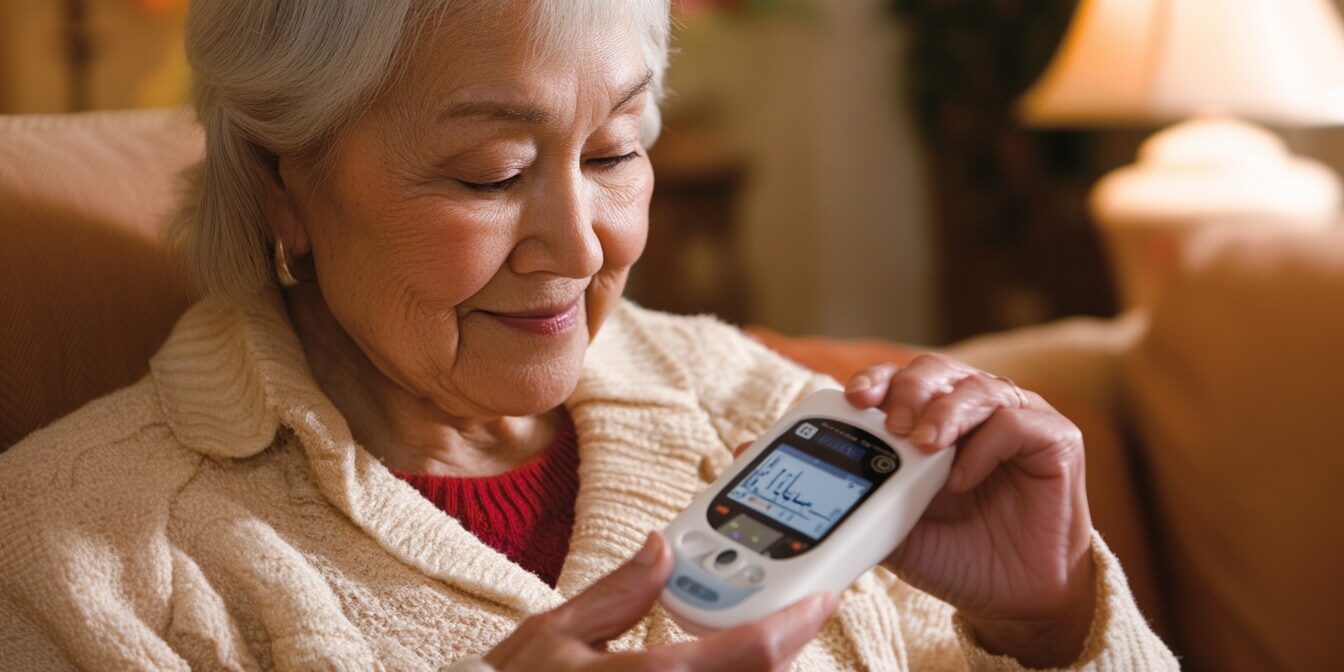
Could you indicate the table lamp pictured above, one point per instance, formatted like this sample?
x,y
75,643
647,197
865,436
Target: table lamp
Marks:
x,y
1213,64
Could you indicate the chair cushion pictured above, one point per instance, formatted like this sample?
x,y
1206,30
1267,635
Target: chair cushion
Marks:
x,y
837,358
1237,390
87,290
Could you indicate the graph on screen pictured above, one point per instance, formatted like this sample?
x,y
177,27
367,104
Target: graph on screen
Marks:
x,y
800,491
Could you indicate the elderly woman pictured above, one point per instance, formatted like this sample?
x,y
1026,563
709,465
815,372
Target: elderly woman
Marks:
x,y
412,425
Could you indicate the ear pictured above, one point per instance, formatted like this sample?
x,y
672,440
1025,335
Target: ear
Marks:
x,y
285,209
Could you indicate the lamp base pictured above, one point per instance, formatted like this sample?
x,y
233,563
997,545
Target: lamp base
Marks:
x,y
1210,170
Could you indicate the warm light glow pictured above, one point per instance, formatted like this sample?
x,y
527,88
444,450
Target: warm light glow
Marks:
x,y
1216,168
1276,61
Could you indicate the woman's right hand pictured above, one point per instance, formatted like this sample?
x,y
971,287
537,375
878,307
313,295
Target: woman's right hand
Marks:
x,y
574,635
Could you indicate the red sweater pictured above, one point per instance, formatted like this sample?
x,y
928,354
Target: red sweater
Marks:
x,y
526,514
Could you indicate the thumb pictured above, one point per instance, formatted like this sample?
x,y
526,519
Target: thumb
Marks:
x,y
618,600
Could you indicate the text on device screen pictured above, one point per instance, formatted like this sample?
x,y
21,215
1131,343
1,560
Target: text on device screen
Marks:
x,y
800,491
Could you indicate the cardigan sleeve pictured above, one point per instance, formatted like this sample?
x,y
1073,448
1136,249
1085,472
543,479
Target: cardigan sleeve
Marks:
x,y
85,567
1119,638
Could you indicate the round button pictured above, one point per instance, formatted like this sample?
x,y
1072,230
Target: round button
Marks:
x,y
753,575
726,558
883,464
696,544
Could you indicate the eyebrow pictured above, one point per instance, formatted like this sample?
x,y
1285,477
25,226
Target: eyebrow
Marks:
x,y
629,94
496,111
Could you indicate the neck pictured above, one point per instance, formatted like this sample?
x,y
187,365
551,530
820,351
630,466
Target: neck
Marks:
x,y
403,429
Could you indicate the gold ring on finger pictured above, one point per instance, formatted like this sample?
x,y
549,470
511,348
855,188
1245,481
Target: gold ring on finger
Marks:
x,y
1022,400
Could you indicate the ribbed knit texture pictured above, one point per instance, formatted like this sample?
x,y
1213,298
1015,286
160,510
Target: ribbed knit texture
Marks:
x,y
218,515
526,514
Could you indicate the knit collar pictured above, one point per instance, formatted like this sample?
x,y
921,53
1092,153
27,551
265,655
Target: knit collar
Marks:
x,y
230,371
232,375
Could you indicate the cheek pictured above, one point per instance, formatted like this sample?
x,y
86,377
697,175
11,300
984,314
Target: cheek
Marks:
x,y
397,279
436,256
447,259
625,221
397,245
623,232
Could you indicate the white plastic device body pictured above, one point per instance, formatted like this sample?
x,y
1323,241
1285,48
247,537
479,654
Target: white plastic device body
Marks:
x,y
803,480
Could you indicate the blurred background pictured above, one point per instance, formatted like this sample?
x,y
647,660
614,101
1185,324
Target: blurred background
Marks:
x,y
848,168
854,168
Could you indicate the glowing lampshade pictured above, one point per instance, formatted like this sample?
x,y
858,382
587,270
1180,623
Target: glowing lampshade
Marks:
x,y
1125,61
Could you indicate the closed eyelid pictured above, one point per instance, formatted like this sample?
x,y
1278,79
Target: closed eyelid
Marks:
x,y
499,185
613,159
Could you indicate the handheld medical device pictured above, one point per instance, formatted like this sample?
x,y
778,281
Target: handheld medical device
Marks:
x,y
823,496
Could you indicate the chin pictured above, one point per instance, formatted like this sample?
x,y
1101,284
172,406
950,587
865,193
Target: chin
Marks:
x,y
528,388
532,398
502,371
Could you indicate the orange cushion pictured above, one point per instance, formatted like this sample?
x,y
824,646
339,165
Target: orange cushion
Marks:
x,y
837,358
1238,390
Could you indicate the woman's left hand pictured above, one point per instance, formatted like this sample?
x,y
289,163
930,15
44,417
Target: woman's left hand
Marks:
x,y
1007,541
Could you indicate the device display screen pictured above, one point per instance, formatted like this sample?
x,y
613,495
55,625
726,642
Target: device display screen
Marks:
x,y
799,490
802,486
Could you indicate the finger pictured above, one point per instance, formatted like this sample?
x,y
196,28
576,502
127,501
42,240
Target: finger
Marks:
x,y
551,652
971,402
911,390
618,600
768,644
866,388
1042,443
741,448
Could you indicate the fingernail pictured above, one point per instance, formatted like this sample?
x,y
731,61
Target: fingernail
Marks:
x,y
858,384
925,434
899,420
648,555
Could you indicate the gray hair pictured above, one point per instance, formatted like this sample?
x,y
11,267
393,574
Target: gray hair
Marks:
x,y
279,78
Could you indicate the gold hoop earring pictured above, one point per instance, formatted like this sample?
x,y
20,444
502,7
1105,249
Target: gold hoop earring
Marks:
x,y
287,279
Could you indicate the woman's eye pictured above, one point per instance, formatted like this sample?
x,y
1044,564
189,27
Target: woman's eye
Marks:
x,y
613,161
492,186
602,163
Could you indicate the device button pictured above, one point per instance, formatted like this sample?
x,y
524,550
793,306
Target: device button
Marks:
x,y
751,575
696,544
696,589
722,561
883,463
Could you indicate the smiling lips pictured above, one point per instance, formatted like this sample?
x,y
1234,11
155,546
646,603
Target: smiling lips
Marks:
x,y
544,321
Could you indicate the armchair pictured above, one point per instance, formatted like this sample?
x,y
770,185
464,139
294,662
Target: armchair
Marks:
x,y
1212,424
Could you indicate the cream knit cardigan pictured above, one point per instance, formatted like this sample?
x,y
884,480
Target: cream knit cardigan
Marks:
x,y
217,515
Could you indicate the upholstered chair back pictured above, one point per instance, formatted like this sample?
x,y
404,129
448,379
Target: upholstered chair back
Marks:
x,y
87,290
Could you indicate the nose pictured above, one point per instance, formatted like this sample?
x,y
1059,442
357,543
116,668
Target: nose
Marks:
x,y
558,234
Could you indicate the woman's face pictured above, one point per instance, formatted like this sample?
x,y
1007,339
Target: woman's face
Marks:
x,y
476,226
